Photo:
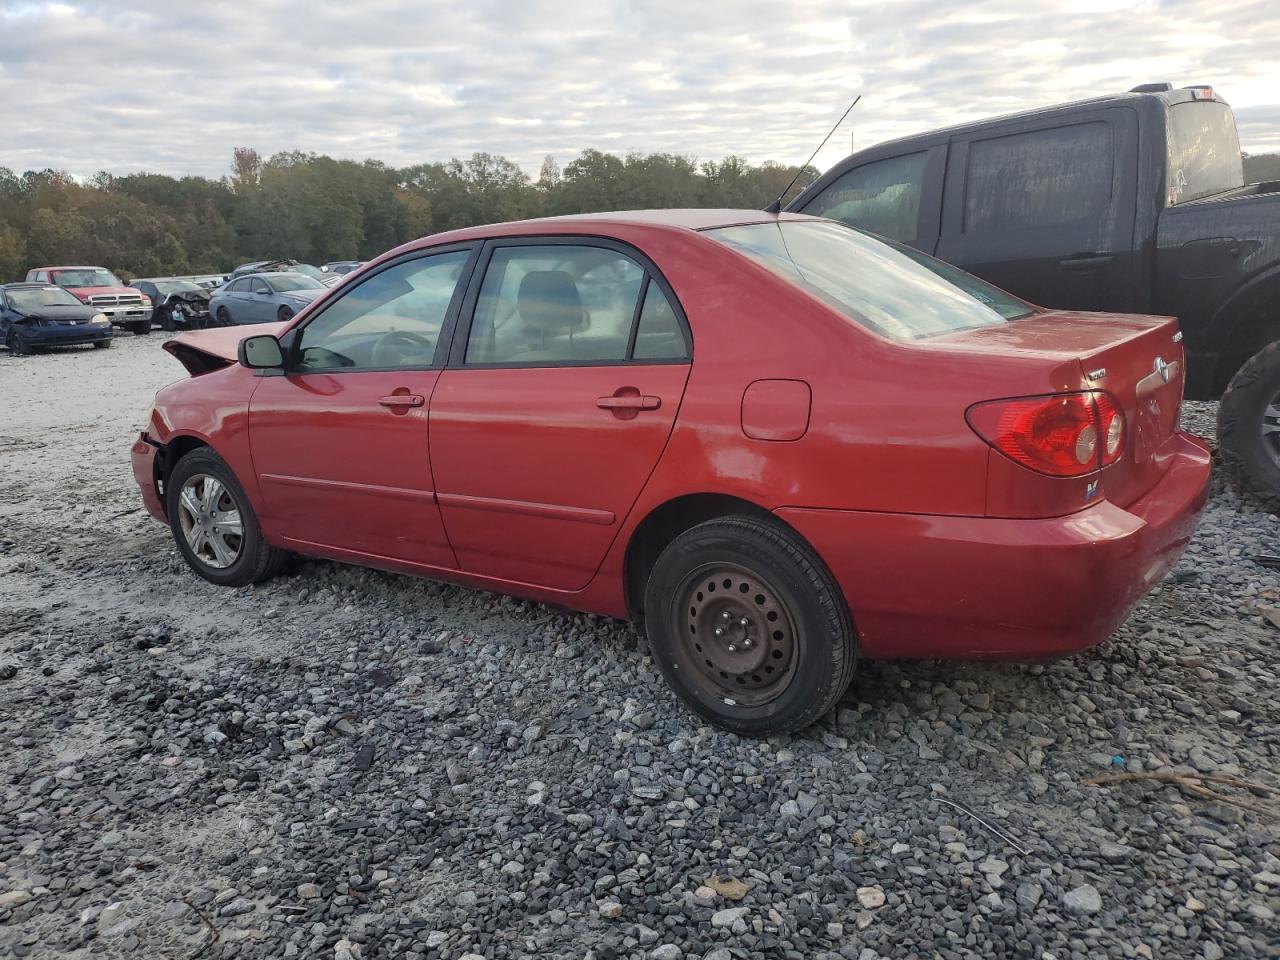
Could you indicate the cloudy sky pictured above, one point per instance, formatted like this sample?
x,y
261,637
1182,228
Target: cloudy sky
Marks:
x,y
172,86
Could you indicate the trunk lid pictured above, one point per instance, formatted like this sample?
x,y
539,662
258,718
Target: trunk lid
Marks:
x,y
1138,360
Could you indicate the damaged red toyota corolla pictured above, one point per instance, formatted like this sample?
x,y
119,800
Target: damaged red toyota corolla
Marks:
x,y
776,443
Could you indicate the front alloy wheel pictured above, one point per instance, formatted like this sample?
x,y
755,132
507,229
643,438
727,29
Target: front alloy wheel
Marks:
x,y
210,520
213,523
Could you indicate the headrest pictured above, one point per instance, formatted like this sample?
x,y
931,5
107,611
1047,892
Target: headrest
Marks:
x,y
548,303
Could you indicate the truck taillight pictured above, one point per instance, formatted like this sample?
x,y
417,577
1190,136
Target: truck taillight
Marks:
x,y
1062,435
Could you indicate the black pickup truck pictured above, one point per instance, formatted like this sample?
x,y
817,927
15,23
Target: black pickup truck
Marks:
x,y
1134,202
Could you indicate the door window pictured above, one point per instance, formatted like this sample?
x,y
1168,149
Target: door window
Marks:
x,y
659,335
1039,179
559,303
391,319
882,197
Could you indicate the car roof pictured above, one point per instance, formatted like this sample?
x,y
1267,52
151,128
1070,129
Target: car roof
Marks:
x,y
27,285
692,219
72,266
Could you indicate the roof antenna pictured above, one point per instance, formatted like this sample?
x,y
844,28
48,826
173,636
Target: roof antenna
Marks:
x,y
776,206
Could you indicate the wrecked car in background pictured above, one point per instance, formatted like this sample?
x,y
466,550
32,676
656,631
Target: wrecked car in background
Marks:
x,y
122,305
176,304
35,316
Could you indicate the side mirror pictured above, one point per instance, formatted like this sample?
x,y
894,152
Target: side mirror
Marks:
x,y
260,353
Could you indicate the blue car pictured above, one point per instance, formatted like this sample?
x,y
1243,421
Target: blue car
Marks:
x,y
34,316
263,298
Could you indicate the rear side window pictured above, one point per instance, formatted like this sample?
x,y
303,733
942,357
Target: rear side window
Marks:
x,y
1039,179
882,197
566,304
1204,151
894,290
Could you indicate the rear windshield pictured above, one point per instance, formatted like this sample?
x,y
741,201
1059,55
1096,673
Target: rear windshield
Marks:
x,y
1204,151
894,290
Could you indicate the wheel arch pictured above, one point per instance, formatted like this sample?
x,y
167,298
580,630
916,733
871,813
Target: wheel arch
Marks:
x,y
668,520
1251,319
167,456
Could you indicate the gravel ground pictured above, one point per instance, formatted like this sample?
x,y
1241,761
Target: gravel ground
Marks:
x,y
349,764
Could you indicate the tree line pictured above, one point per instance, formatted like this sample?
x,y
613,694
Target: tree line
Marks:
x,y
315,209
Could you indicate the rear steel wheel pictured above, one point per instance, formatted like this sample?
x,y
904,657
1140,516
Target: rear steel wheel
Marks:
x,y
737,637
17,346
748,626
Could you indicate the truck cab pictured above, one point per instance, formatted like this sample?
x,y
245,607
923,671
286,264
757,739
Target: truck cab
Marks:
x,y
1132,202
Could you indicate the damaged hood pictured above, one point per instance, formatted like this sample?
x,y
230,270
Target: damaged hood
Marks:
x,y
203,350
189,296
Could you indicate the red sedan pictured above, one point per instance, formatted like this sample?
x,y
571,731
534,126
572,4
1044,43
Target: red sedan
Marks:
x,y
773,442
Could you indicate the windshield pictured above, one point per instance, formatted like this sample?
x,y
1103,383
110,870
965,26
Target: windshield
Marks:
x,y
1204,151
892,289
178,286
292,281
27,300
86,277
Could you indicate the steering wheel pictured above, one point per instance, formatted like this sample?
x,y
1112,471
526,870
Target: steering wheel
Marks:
x,y
400,347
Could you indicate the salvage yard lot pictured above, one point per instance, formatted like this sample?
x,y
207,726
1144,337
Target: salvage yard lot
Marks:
x,y
345,763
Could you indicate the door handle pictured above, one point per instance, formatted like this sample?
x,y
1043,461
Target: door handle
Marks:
x,y
629,402
400,400
1086,261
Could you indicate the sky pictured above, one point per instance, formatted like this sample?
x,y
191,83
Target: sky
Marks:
x,y
172,87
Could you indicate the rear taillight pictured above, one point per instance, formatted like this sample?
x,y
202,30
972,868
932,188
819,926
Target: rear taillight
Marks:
x,y
1062,435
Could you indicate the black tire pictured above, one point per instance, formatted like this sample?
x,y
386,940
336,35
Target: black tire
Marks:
x,y
255,559
141,328
223,317
284,314
801,640
1249,456
166,320
17,346
102,345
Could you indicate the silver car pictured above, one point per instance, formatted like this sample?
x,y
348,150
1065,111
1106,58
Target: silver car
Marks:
x,y
263,298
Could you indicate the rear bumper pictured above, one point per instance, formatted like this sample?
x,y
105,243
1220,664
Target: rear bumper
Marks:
x,y
974,587
143,454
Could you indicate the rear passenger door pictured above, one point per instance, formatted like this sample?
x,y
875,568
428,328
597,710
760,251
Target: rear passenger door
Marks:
x,y
1046,210
563,384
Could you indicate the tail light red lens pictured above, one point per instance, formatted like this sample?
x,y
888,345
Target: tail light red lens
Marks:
x,y
1062,435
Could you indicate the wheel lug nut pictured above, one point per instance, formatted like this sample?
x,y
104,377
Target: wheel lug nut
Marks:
x,y
719,631
744,622
732,648
726,615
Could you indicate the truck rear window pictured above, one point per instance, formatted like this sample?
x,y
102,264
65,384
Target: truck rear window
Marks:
x,y
1204,151
892,289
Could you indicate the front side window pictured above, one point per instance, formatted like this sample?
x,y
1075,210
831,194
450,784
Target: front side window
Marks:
x,y
391,319
882,197
891,289
558,303
1204,151
86,278
1039,179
